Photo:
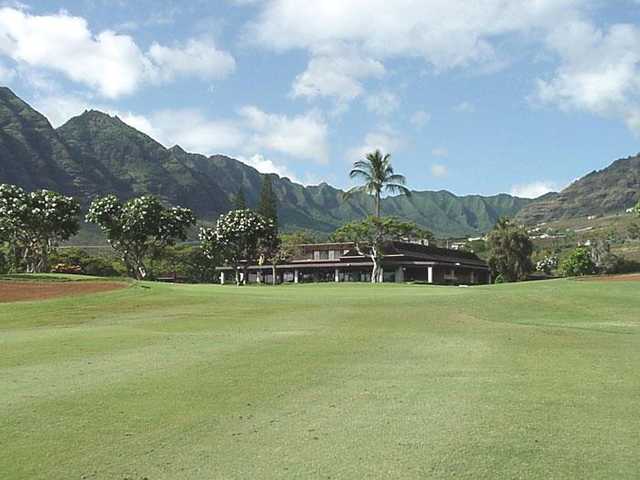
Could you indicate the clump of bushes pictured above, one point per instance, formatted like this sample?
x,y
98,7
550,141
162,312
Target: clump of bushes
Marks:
x,y
587,260
185,262
76,260
578,263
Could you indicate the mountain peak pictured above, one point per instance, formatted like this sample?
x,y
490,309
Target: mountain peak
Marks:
x,y
177,149
95,117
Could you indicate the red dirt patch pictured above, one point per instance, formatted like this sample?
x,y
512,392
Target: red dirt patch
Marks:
x,y
613,278
18,291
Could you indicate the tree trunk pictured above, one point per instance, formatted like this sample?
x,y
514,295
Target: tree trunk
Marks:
x,y
27,259
274,279
378,204
42,261
141,272
377,274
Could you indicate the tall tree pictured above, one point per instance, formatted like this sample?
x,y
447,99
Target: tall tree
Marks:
x,y
510,250
268,206
377,176
239,200
139,228
372,235
34,223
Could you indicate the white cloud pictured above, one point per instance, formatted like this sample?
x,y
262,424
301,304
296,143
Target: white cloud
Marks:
x,y
198,57
6,74
599,71
382,103
465,107
445,33
336,72
440,152
107,62
439,170
263,165
533,189
420,118
193,131
302,136
384,139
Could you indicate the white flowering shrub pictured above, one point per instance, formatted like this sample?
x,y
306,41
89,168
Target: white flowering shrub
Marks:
x,y
239,238
139,227
34,223
548,264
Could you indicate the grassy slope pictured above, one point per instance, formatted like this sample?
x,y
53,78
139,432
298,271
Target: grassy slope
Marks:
x,y
172,382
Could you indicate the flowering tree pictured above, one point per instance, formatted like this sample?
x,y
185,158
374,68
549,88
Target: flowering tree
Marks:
x,y
35,223
371,235
139,227
240,237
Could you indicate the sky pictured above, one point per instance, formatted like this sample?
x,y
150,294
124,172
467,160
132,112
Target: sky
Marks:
x,y
470,96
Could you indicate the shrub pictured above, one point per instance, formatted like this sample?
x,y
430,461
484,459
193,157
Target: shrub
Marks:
x,y
547,264
578,263
95,265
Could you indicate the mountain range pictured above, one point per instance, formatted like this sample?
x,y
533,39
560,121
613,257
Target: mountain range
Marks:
x,y
95,154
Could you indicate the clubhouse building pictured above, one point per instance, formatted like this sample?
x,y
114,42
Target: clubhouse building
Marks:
x,y
341,262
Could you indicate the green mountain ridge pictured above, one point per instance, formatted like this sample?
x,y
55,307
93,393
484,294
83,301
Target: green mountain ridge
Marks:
x,y
95,154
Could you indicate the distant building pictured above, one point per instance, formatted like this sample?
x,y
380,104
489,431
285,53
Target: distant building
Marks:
x,y
403,262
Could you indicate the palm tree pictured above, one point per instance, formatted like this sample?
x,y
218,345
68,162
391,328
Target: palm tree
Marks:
x,y
377,176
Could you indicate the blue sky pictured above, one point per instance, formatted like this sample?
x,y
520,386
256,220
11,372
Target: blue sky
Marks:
x,y
489,96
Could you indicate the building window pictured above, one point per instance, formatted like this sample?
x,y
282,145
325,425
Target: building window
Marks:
x,y
332,254
316,255
324,255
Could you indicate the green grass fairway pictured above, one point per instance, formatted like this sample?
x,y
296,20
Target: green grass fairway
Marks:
x,y
527,381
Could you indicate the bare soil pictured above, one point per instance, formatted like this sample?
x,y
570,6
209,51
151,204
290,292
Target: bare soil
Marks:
x,y
20,291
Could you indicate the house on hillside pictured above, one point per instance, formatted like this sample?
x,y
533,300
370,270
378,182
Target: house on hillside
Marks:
x,y
403,262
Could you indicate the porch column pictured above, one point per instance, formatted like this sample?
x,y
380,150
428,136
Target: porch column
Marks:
x,y
221,278
295,276
337,275
400,275
429,274
259,276
473,276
